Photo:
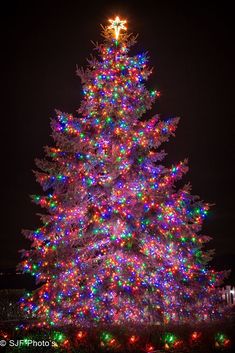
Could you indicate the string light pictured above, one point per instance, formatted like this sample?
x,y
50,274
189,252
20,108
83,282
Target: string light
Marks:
x,y
195,336
222,340
81,335
149,348
119,242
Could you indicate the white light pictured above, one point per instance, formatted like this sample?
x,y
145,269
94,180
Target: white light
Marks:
x,y
117,25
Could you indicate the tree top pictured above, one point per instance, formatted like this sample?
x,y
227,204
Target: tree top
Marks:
x,y
117,25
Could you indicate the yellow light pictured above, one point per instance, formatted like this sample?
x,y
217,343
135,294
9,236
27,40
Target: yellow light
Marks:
x,y
117,25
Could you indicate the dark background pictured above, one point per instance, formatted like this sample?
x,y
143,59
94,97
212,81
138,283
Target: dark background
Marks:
x,y
192,50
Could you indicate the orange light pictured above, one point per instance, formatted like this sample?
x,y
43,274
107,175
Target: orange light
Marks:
x,y
133,339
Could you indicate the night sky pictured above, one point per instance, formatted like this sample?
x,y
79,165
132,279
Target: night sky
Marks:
x,y
192,51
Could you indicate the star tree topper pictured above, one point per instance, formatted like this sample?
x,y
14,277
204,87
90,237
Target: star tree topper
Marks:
x,y
117,25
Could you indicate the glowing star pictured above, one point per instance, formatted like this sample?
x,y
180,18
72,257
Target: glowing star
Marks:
x,y
117,25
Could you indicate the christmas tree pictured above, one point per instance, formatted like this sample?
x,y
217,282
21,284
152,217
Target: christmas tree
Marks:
x,y
119,242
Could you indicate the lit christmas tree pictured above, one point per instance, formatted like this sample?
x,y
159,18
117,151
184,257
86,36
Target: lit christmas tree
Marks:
x,y
119,243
